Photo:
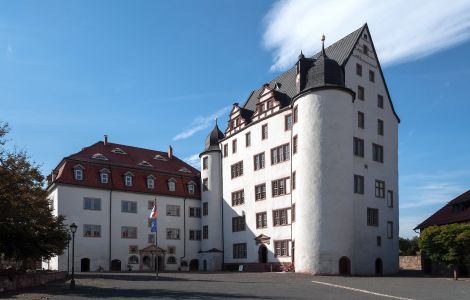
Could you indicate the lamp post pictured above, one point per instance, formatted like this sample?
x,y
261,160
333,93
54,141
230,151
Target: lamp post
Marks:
x,y
73,229
68,254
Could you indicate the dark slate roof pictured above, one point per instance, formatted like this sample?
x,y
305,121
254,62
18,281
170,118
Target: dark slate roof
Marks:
x,y
324,72
212,140
339,52
450,213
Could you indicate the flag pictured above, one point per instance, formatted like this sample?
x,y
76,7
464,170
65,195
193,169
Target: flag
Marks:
x,y
154,213
153,225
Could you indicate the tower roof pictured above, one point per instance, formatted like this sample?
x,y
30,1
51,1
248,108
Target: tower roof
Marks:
x,y
212,140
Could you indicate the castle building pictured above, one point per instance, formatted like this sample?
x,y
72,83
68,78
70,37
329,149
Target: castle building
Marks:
x,y
306,173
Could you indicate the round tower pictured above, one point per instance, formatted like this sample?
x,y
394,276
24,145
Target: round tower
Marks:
x,y
323,166
211,203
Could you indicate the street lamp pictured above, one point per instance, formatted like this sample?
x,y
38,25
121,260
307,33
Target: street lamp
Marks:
x,y
68,254
73,229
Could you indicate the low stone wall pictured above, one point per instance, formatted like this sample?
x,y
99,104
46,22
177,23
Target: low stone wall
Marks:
x,y
410,262
15,281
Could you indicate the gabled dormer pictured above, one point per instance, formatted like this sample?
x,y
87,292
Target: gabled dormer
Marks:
x,y
99,156
239,118
118,150
268,101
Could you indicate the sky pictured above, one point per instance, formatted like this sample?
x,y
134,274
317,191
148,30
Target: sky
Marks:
x,y
157,73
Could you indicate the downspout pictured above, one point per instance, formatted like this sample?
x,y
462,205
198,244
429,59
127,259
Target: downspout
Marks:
x,y
222,203
110,215
184,223
291,183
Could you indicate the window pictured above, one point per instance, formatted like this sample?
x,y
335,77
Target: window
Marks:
x,y
133,259
358,147
390,230
150,182
280,217
380,127
371,76
359,69
104,177
295,116
365,36
365,49
248,139
359,184
195,235
171,185
78,173
258,161
205,232
205,184
280,154
260,192
380,101
171,260
90,230
379,189
360,120
150,204
237,169
279,187
225,150
205,163
238,198
172,234
288,122
372,216
173,210
118,151
133,249
128,206
234,146
264,131
238,224
292,213
171,250
293,180
92,203
205,209
195,212
379,241
151,239
261,220
360,92
389,198
281,248
294,144
377,153
128,232
269,104
239,250
128,180
191,188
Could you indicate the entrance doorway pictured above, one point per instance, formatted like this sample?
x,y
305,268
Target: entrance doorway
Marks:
x,y
262,254
344,266
159,263
378,266
204,266
85,264
194,265
116,265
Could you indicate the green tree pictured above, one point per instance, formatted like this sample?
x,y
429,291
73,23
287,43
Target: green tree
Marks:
x,y
408,246
449,244
28,229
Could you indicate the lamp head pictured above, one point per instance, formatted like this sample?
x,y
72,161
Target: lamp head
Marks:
x,y
73,227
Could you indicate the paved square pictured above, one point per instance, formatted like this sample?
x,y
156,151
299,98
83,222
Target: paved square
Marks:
x,y
248,286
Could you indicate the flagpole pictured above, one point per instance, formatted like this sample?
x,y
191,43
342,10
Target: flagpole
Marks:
x,y
156,242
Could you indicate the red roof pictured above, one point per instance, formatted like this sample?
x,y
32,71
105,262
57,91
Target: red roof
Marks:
x,y
133,160
456,211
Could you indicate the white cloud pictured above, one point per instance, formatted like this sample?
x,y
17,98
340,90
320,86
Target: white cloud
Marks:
x,y
402,30
193,160
200,123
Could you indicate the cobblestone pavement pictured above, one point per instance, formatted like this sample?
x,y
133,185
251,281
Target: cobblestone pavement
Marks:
x,y
247,286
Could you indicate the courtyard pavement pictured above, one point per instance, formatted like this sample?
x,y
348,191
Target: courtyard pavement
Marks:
x,y
247,286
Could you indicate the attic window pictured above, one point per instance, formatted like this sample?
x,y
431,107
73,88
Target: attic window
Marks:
x,y
99,156
145,164
171,184
159,157
365,36
78,172
118,151
365,49
184,170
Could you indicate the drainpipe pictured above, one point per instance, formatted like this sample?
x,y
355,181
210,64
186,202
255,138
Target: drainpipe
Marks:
x,y
110,216
184,223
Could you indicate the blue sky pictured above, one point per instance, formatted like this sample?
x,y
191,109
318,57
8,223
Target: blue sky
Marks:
x,y
155,73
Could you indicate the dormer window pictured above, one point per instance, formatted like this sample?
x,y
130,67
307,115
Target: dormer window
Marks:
x,y
191,188
171,185
78,172
145,164
99,156
159,157
118,151
151,182
104,175
128,178
184,170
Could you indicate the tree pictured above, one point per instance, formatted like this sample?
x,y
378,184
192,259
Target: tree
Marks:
x,y
409,246
449,244
28,229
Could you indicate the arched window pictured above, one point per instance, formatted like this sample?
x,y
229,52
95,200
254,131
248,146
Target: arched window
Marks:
x,y
191,187
78,172
128,178
171,185
150,182
171,260
133,259
104,175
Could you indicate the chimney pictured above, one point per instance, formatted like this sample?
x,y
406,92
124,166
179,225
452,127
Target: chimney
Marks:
x,y
170,152
105,139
